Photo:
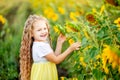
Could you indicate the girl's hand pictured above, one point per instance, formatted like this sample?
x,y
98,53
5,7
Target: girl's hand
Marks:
x,y
61,38
75,46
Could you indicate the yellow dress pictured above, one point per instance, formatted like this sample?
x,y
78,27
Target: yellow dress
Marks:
x,y
42,69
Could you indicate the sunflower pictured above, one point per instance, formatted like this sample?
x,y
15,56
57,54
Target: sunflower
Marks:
x,y
71,41
112,2
56,29
90,17
110,55
2,19
117,21
61,10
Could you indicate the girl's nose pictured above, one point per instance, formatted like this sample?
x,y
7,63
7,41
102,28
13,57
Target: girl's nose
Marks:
x,y
43,31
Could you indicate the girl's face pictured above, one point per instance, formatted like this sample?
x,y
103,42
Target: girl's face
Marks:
x,y
40,31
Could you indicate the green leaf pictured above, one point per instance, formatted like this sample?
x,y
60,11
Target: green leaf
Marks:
x,y
81,77
108,41
93,51
97,74
118,36
62,29
84,42
102,33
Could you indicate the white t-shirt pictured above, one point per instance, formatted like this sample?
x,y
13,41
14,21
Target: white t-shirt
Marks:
x,y
39,50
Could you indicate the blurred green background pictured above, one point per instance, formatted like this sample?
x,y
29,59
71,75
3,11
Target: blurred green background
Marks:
x,y
13,14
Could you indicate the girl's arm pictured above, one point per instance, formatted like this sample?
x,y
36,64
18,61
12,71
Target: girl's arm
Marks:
x,y
60,41
57,59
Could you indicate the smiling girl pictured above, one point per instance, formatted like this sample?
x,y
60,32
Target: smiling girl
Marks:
x,y
37,58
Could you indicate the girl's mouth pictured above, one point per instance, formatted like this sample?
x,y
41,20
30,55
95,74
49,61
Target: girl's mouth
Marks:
x,y
44,35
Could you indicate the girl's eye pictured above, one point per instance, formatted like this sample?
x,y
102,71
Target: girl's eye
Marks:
x,y
45,28
39,30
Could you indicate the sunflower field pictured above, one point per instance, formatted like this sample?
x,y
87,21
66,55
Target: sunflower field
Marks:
x,y
94,23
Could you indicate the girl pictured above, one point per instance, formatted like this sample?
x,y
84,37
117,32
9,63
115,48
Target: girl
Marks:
x,y
37,59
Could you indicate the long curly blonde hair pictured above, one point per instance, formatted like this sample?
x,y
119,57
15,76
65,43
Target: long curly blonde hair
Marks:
x,y
26,46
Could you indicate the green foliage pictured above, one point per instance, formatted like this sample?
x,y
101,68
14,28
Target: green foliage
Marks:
x,y
10,38
83,63
9,58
